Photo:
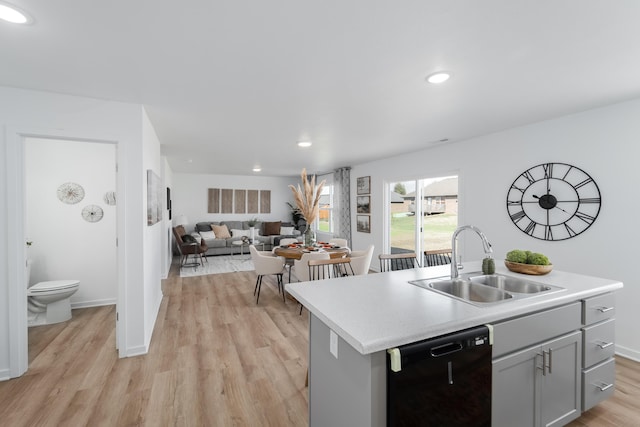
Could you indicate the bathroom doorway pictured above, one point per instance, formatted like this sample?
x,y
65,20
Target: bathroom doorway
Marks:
x,y
70,224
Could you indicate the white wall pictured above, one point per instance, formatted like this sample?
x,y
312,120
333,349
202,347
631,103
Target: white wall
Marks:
x,y
190,192
65,246
154,249
36,113
603,142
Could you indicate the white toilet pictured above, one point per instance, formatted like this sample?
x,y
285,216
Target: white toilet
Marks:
x,y
49,302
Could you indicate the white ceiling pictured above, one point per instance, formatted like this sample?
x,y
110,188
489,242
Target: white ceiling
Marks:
x,y
229,84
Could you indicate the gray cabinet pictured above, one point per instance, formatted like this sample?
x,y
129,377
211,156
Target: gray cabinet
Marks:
x,y
598,340
539,385
537,368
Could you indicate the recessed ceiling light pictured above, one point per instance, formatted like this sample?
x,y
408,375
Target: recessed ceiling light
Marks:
x,y
11,13
304,144
257,169
439,77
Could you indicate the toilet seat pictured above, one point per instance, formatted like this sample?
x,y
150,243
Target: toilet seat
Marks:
x,y
53,285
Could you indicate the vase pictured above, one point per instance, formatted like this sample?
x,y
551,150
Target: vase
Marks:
x,y
252,234
309,236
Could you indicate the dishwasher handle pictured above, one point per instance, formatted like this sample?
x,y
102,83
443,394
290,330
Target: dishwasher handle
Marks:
x,y
445,349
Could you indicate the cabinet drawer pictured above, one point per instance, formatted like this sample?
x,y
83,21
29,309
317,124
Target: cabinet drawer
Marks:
x,y
528,330
598,342
598,383
599,308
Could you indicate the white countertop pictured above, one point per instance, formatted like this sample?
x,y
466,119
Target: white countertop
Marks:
x,y
382,310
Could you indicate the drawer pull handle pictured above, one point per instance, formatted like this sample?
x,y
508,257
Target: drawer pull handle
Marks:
x,y
604,386
603,344
604,309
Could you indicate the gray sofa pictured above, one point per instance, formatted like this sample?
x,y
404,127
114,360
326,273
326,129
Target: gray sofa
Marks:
x,y
225,246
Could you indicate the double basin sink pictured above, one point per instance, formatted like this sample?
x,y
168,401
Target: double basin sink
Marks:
x,y
486,289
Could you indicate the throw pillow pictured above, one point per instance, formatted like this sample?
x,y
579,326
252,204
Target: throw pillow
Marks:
x,y
239,233
188,238
286,231
207,234
272,228
222,232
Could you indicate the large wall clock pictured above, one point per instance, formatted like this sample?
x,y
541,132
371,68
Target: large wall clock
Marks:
x,y
553,201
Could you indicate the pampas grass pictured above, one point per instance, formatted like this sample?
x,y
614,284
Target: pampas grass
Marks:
x,y
307,197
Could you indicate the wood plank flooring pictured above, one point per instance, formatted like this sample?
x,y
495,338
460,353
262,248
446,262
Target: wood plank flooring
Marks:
x,y
216,359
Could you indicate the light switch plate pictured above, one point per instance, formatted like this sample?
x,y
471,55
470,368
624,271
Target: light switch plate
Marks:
x,y
333,343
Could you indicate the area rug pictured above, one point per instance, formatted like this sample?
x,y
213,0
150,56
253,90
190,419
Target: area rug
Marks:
x,y
219,264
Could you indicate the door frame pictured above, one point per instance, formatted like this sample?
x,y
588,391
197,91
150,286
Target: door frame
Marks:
x,y
17,251
418,244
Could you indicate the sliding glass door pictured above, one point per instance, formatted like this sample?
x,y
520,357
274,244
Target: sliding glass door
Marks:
x,y
423,216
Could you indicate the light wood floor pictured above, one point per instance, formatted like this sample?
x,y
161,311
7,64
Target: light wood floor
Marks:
x,y
216,359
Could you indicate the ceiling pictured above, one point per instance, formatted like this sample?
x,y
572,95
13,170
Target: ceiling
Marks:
x,y
233,84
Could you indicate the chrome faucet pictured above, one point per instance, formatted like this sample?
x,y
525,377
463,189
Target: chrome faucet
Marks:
x,y
454,252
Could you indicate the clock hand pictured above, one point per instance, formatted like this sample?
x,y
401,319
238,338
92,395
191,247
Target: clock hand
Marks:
x,y
555,206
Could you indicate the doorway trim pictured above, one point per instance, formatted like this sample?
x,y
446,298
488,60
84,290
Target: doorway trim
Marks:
x,y
17,310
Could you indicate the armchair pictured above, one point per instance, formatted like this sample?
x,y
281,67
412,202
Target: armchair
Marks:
x,y
188,248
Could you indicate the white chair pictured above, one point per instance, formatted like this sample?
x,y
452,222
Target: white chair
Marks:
x,y
361,260
287,241
288,261
265,264
339,242
301,266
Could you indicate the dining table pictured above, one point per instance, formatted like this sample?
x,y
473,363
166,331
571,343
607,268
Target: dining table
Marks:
x,y
293,252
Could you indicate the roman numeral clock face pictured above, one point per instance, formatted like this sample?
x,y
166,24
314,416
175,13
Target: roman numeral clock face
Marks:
x,y
553,201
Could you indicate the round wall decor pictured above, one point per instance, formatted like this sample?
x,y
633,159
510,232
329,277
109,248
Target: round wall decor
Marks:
x,y
92,213
553,201
70,193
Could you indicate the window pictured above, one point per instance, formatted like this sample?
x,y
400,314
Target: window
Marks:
x,y
325,216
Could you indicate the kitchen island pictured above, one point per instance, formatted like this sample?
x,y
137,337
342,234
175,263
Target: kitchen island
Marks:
x,y
358,318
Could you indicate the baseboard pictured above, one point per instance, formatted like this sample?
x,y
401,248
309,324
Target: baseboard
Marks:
x,y
94,303
137,351
4,375
628,353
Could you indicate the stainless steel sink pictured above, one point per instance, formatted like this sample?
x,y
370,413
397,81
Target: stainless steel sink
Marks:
x,y
511,284
486,289
469,290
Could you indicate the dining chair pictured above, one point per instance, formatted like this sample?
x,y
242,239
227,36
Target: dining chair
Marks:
x,y
437,257
301,266
393,262
266,264
361,260
339,242
320,269
288,262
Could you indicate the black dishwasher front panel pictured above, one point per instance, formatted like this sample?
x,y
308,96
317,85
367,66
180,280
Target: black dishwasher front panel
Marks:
x,y
444,381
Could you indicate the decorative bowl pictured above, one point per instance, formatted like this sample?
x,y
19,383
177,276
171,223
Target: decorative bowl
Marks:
x,y
533,269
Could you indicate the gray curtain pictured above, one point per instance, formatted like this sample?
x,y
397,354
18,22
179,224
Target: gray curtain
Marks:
x,y
342,196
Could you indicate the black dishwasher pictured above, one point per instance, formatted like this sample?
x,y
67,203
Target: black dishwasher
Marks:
x,y
443,381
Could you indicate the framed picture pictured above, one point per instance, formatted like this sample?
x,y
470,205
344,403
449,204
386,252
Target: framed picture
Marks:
x,y
364,205
364,185
363,223
154,198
